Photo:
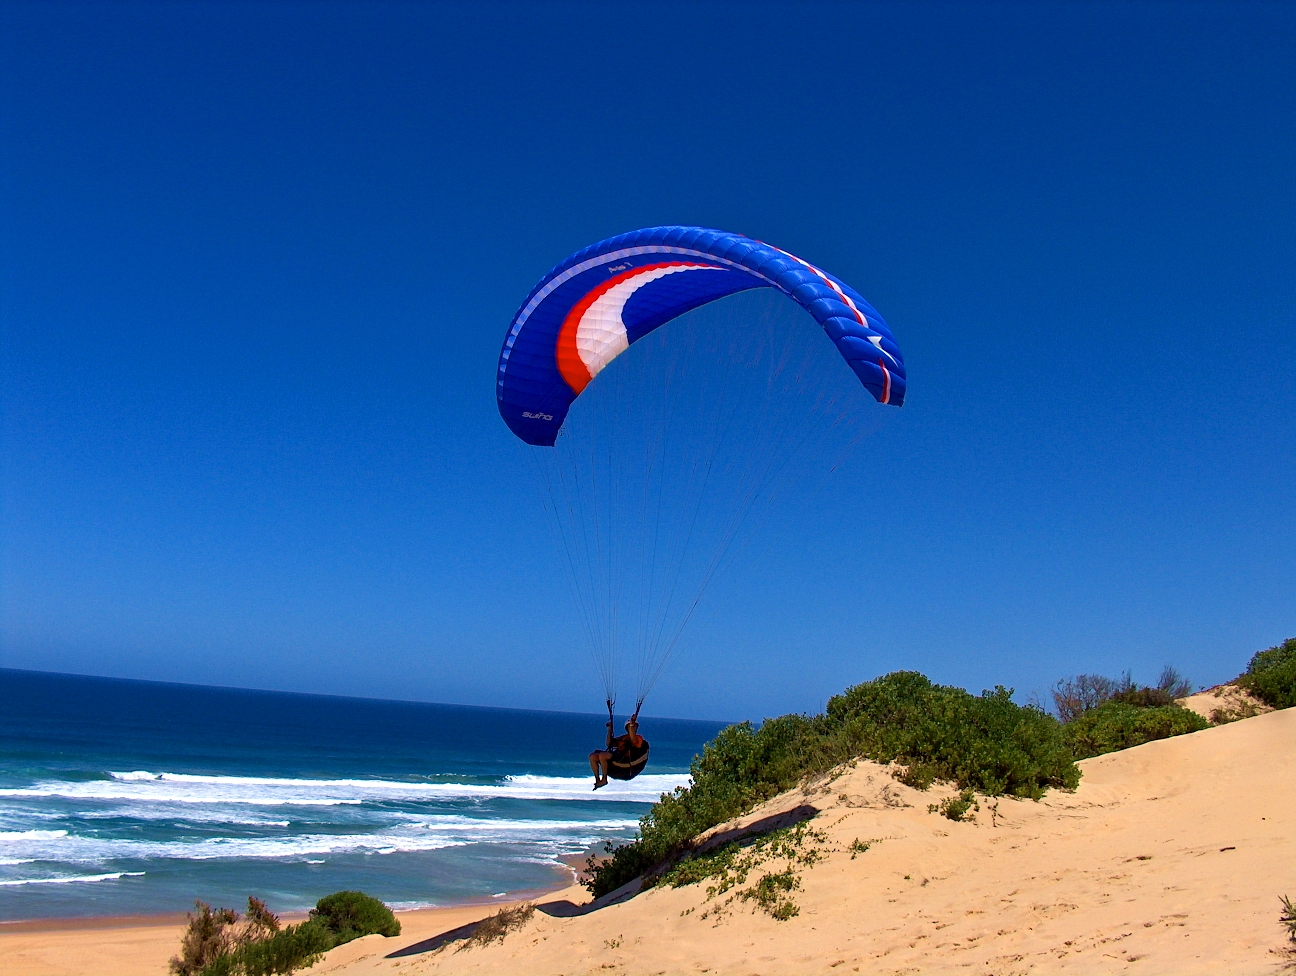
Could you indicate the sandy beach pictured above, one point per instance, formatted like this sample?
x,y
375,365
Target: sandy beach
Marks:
x,y
1169,858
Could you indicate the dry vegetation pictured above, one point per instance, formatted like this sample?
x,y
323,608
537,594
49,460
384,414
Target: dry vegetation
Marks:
x,y
499,925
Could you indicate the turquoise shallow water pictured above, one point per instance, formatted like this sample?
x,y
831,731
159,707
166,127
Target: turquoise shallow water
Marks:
x,y
124,797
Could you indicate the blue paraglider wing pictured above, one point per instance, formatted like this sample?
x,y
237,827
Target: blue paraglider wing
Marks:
x,y
593,306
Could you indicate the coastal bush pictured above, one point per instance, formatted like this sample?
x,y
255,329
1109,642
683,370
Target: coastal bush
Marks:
x,y
1073,697
296,947
349,915
285,951
985,743
1116,725
1102,715
1271,675
223,943
1288,918
1170,687
209,936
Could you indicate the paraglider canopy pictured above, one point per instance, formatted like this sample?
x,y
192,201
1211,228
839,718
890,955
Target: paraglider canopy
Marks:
x,y
593,306
652,485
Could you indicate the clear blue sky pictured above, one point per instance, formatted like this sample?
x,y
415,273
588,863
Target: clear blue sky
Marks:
x,y
257,260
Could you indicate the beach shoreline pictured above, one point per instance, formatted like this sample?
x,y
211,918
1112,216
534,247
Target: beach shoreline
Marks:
x,y
94,922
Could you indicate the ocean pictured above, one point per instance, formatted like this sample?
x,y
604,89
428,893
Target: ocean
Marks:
x,y
129,797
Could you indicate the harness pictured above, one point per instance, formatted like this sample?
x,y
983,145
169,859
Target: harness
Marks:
x,y
628,760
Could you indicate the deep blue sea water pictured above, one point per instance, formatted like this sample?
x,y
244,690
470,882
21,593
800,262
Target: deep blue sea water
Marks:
x,y
123,797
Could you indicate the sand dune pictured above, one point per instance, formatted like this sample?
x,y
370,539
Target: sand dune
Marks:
x,y
1170,858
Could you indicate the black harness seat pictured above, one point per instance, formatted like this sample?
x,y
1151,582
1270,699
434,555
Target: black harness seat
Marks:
x,y
628,762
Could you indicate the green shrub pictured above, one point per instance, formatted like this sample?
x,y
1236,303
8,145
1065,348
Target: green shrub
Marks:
x,y
223,965
1288,918
220,943
351,914
985,743
1116,725
286,951
955,807
1271,675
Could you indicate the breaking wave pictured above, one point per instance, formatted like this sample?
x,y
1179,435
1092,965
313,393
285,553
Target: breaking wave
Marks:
x,y
76,879
189,788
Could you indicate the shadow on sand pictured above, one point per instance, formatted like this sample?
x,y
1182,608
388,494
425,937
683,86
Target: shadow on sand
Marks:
x,y
569,909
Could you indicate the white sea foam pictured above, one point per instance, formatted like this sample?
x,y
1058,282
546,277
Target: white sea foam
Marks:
x,y
93,791
15,835
412,906
141,785
78,879
551,837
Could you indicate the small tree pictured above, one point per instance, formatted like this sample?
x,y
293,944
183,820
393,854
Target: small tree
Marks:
x,y
1072,697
